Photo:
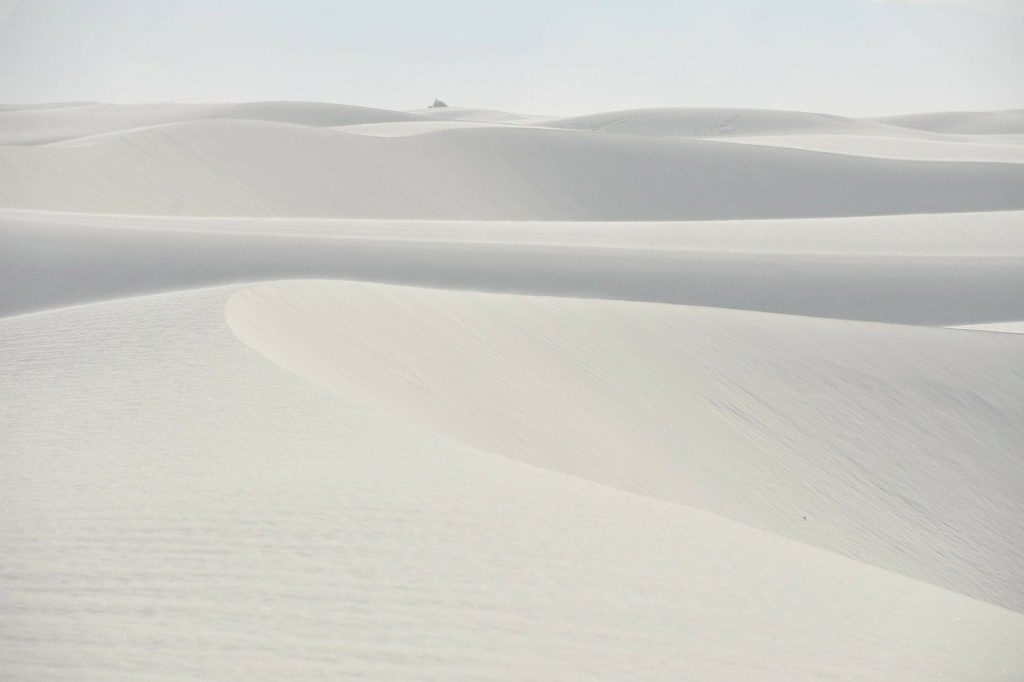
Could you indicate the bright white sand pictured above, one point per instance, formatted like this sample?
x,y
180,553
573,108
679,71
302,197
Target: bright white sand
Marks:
x,y
271,168
177,506
584,387
497,451
1004,327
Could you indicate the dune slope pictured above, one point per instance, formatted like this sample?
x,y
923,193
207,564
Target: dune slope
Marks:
x,y
260,168
308,391
834,433
289,533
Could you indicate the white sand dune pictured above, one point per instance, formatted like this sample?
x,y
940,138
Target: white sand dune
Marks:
x,y
990,148
1006,149
177,507
739,122
471,114
936,137
724,122
925,269
406,128
585,387
500,449
33,126
967,122
263,168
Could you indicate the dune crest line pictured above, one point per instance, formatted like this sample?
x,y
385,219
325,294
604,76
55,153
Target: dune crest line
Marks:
x,y
825,431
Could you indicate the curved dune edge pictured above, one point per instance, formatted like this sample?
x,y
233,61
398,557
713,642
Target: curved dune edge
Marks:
x,y
833,433
1011,327
377,550
892,147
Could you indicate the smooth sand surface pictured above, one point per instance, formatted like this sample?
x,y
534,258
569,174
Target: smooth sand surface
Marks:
x,y
969,122
927,269
230,167
51,124
311,391
998,150
177,506
583,386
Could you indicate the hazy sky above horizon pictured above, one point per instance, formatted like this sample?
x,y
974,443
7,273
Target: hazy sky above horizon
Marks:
x,y
856,57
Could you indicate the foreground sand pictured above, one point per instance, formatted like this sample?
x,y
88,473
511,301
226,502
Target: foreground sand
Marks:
x,y
255,445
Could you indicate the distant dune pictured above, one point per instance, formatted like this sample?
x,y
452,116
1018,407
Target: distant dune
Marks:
x,y
712,122
30,126
966,122
470,114
236,168
946,269
994,148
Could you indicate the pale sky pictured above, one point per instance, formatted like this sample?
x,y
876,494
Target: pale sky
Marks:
x,y
857,57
